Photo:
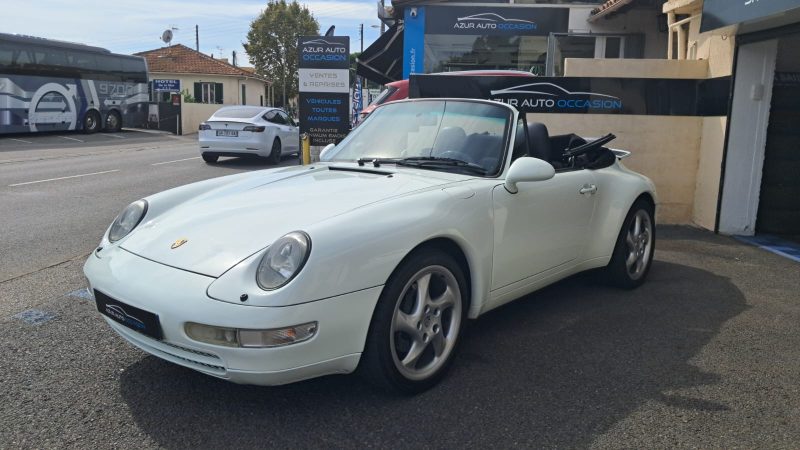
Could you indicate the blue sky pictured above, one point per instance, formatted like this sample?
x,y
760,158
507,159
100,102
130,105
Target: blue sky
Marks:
x,y
132,26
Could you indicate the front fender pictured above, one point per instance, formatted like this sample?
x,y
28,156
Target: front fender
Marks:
x,y
360,249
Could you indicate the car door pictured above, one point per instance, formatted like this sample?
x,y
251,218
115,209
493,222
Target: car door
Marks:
x,y
291,136
542,228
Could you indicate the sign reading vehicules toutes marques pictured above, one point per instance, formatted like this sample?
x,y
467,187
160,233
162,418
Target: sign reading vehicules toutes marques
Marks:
x,y
324,66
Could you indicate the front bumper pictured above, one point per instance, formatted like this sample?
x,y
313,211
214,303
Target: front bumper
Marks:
x,y
178,296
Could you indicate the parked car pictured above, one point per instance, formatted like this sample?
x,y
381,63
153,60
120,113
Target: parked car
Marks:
x,y
248,130
432,212
398,90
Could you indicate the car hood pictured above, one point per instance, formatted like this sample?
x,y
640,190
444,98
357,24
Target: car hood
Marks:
x,y
227,224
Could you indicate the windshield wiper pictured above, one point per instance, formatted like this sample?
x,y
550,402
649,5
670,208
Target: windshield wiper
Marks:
x,y
376,162
424,161
428,161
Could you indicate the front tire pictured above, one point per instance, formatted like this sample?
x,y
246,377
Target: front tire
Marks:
x,y
274,157
91,122
633,252
113,122
417,323
209,158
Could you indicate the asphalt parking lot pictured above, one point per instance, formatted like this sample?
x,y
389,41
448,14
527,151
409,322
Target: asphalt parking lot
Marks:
x,y
704,355
74,139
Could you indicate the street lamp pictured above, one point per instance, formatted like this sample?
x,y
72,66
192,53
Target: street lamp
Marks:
x,y
361,34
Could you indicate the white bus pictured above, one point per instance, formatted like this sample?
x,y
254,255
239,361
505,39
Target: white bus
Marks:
x,y
48,85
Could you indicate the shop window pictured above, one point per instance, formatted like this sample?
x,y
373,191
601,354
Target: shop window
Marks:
x,y
448,53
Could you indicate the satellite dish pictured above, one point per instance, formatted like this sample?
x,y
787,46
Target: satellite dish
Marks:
x,y
166,36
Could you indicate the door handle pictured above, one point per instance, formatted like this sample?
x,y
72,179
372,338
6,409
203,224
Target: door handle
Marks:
x,y
588,189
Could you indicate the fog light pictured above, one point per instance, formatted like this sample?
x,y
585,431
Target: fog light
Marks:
x,y
212,335
277,337
233,337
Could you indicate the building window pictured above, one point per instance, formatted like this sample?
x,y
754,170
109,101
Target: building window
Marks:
x,y
563,46
208,92
244,95
448,53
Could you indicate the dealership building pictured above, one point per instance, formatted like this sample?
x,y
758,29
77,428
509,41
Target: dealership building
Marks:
x,y
708,91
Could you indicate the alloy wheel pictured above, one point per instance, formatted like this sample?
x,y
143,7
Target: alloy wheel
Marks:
x,y
639,240
426,323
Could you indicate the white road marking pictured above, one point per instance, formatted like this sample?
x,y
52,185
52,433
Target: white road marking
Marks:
x,y
71,139
170,162
63,178
21,140
112,135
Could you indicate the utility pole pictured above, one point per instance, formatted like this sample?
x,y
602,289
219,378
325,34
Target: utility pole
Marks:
x,y
361,32
383,25
197,37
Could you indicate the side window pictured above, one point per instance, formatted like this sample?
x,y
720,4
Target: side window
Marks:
x,y
286,119
270,116
276,117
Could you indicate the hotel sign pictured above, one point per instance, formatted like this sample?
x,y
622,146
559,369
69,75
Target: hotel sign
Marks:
x,y
722,13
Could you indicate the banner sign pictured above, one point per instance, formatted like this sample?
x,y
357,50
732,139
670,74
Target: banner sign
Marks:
x,y
482,20
572,95
167,85
357,100
324,71
414,41
721,13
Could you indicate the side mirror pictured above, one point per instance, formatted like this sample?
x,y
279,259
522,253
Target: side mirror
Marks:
x,y
527,169
325,150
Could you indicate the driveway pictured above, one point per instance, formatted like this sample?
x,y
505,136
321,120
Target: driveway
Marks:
x,y
704,355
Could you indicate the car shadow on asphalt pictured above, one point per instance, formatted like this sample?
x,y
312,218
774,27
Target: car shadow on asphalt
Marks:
x,y
254,162
555,369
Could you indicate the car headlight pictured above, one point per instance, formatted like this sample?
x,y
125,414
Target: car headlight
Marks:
x,y
127,220
283,260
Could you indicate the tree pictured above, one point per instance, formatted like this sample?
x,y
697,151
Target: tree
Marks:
x,y
272,43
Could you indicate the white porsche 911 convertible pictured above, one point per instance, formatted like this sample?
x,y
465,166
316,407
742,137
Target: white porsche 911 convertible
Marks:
x,y
430,213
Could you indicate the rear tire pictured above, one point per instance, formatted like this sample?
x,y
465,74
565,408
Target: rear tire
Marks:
x,y
91,122
633,252
417,324
113,122
209,158
274,157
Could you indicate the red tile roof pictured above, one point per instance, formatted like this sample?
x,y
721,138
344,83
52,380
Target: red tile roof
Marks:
x,y
182,59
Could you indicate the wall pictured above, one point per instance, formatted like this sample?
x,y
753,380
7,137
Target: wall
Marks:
x,y
193,114
709,172
655,145
231,86
642,68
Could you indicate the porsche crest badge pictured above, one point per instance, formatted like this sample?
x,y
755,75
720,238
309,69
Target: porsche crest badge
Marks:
x,y
178,243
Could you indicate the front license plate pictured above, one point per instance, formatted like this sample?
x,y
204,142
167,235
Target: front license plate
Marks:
x,y
227,133
132,317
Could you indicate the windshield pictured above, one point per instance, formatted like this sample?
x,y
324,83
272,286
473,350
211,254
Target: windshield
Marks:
x,y
458,131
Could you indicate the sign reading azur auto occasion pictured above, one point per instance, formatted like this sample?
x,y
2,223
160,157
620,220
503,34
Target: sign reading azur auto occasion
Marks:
x,y
324,77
